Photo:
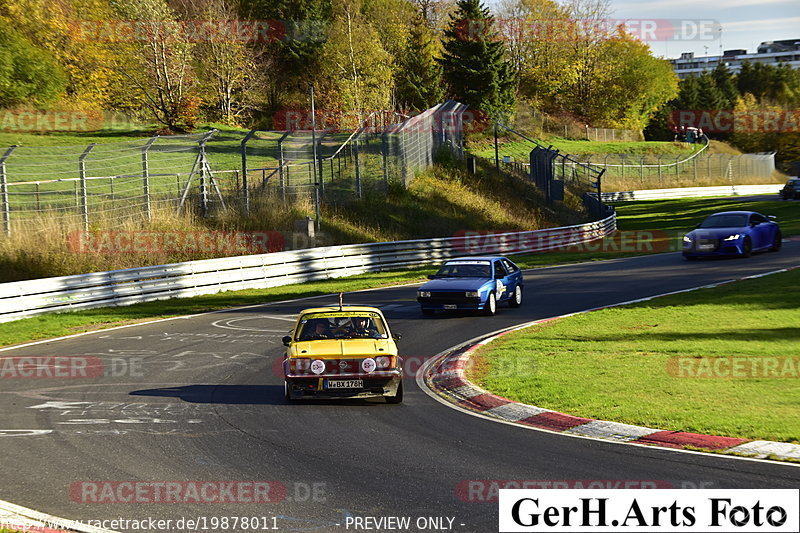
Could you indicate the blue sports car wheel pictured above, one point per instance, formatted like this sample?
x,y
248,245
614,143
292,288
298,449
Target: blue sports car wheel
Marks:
x,y
747,247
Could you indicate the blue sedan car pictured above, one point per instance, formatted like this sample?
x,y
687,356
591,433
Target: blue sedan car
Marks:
x,y
472,283
732,233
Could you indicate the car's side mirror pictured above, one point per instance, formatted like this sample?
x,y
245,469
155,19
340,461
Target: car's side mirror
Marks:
x,y
287,340
431,276
396,336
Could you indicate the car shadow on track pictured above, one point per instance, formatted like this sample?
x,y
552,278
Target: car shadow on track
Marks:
x,y
241,395
220,394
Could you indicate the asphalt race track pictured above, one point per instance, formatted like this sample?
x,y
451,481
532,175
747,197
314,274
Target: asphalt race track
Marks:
x,y
201,399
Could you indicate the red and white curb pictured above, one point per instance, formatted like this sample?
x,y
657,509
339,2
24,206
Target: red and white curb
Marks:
x,y
445,376
17,518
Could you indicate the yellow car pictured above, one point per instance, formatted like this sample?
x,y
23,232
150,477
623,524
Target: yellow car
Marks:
x,y
342,352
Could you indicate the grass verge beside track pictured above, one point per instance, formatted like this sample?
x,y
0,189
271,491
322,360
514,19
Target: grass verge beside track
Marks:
x,y
624,364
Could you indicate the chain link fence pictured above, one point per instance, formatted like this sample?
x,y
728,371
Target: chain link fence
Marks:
x,y
217,171
624,172
541,124
553,172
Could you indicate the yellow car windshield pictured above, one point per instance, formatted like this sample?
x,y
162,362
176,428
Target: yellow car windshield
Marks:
x,y
341,325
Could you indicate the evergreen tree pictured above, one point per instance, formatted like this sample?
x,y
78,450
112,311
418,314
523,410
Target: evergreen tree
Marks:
x,y
689,94
709,97
723,79
474,65
419,84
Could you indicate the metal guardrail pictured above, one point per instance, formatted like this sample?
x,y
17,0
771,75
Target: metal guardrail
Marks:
x,y
691,192
125,287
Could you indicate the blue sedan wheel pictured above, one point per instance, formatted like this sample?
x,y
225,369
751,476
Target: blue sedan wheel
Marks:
x,y
491,305
516,299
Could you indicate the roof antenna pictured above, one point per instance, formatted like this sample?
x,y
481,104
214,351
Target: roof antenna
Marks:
x,y
340,300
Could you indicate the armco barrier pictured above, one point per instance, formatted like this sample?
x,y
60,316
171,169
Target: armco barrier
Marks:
x,y
691,192
124,287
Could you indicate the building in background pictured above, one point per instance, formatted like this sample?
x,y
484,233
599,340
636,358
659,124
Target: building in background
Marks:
x,y
770,52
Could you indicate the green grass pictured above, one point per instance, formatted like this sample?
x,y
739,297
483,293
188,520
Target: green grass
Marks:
x,y
613,364
486,149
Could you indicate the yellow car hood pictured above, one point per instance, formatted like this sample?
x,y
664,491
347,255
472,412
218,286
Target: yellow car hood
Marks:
x,y
341,348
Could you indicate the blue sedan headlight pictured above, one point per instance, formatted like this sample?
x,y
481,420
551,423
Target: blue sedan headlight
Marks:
x,y
734,237
424,294
686,238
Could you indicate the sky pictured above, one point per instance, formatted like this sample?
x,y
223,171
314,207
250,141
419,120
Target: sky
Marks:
x,y
744,23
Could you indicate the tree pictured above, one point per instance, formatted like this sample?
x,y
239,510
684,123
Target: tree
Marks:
x,y
725,83
419,79
538,50
293,60
158,64
474,65
68,31
631,84
228,78
28,75
710,96
355,69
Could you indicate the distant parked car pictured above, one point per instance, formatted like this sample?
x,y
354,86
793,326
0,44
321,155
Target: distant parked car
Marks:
x,y
732,233
472,283
791,191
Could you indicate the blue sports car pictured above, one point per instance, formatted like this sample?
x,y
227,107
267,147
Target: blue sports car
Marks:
x,y
732,233
472,283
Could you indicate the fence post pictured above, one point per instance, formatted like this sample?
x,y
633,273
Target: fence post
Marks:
x,y
660,182
677,159
146,177
203,187
496,150
385,156
4,192
358,169
245,190
694,167
84,194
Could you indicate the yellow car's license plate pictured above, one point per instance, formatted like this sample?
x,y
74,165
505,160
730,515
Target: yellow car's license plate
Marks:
x,y
345,384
